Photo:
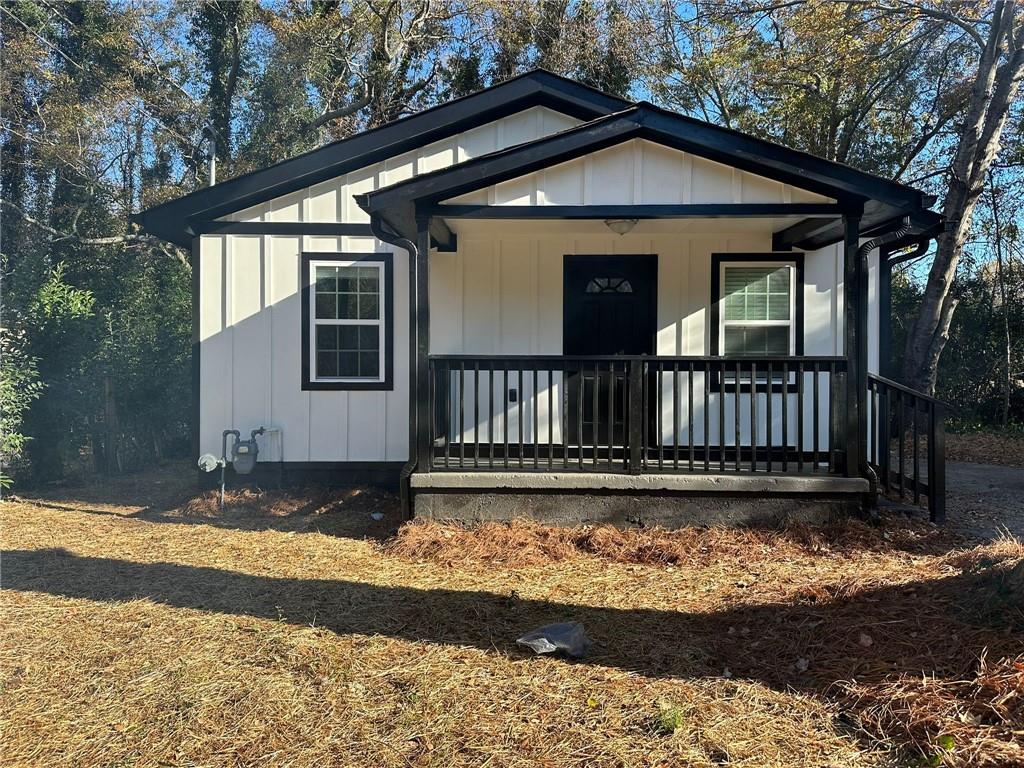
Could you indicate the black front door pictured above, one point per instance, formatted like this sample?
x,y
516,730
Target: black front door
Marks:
x,y
608,308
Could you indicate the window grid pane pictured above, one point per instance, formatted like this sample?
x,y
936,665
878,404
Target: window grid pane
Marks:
x,y
757,293
343,349
756,310
347,293
757,340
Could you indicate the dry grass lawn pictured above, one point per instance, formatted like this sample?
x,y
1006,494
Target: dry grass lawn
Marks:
x,y
141,627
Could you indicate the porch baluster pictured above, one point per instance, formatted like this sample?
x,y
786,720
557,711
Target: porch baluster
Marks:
x,y
816,425
689,414
768,419
476,414
551,417
675,416
536,420
753,416
737,417
462,415
800,372
707,416
490,414
519,421
785,417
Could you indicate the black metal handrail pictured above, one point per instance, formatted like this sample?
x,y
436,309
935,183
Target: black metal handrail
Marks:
x,y
915,422
638,413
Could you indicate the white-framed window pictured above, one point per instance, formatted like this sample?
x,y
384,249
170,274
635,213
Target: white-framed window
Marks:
x,y
757,309
347,342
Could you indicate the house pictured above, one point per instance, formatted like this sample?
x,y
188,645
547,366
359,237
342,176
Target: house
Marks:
x,y
544,299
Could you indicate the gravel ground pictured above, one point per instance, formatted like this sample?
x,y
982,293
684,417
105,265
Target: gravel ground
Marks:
x,y
984,499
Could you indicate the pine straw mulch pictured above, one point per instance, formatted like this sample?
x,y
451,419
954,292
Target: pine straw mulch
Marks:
x,y
256,638
986,448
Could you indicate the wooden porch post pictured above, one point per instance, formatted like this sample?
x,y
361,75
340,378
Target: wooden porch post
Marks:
x,y
421,396
855,343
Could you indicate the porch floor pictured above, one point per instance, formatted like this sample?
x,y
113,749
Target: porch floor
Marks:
x,y
710,483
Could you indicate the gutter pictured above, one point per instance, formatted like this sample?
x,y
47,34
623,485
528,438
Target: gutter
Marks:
x,y
385,235
900,231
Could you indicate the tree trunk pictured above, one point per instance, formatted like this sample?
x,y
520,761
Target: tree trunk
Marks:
x,y
994,89
1004,310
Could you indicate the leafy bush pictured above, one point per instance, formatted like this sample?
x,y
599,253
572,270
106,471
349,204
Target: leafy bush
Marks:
x,y
19,387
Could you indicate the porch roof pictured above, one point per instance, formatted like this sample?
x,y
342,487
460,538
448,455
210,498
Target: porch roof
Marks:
x,y
883,202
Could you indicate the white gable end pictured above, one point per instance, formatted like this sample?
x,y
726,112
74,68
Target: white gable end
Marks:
x,y
331,201
638,172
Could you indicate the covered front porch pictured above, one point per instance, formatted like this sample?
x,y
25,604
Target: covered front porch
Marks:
x,y
616,311
575,373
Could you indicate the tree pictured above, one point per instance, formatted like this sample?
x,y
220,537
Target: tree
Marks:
x,y
999,39
219,30
836,79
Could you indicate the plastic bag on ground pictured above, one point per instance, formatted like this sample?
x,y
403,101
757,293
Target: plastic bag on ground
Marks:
x,y
567,637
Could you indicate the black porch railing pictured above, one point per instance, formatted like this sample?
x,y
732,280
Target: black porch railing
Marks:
x,y
907,444
638,414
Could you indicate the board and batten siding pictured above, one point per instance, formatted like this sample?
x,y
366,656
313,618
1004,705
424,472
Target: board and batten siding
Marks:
x,y
500,293
638,172
249,313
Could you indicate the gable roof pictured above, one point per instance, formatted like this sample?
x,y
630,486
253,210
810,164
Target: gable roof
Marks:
x,y
883,200
170,221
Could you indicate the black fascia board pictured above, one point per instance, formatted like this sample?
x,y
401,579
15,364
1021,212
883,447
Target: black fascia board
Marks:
x,y
821,211
765,156
170,221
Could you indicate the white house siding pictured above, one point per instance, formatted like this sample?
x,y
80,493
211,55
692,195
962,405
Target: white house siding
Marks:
x,y
500,293
249,313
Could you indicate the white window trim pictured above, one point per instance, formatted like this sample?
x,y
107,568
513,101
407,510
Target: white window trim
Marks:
x,y
723,323
379,322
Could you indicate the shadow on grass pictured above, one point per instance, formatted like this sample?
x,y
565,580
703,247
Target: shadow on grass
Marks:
x,y
343,517
913,627
171,495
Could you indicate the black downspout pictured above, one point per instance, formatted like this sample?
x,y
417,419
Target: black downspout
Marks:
x,y
381,232
886,261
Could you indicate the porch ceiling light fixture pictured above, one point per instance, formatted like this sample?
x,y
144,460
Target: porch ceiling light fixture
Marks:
x,y
620,226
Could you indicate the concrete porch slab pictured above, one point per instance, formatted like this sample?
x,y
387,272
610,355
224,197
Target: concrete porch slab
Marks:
x,y
670,501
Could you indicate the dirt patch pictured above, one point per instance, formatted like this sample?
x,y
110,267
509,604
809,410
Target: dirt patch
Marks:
x,y
359,512
986,448
984,500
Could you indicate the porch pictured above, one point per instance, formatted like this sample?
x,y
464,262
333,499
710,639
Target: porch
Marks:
x,y
601,314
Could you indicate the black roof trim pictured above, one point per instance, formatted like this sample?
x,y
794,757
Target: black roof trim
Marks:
x,y
538,87
882,199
